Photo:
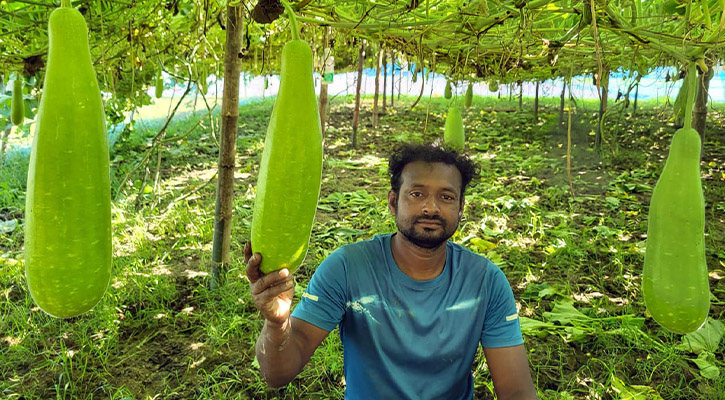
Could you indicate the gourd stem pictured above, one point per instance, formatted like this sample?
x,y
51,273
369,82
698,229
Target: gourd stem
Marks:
x,y
292,20
65,3
691,81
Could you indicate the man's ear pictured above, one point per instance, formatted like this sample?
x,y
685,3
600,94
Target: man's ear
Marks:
x,y
392,201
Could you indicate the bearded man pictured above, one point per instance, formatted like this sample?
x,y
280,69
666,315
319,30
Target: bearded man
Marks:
x,y
412,307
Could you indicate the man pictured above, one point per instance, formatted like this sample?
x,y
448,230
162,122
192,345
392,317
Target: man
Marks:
x,y
411,306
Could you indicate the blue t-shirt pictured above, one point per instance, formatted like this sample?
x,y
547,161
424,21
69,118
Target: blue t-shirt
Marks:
x,y
408,339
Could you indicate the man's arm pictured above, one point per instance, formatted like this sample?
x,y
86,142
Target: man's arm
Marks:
x,y
283,350
510,372
285,344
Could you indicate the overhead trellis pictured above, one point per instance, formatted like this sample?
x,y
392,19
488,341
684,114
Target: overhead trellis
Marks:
x,y
471,40
513,40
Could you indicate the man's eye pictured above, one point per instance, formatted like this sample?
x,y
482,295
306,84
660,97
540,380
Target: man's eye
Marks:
x,y
416,194
447,197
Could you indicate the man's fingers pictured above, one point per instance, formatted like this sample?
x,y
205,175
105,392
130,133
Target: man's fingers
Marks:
x,y
247,251
253,262
272,282
269,296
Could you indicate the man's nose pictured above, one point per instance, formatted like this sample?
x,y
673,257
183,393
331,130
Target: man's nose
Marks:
x,y
430,206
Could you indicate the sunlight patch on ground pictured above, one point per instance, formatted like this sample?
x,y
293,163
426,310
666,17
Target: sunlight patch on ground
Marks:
x,y
196,346
588,297
521,242
194,274
178,182
197,362
161,270
368,161
12,341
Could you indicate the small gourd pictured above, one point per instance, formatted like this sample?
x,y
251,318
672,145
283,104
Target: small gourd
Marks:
x,y
159,85
468,98
448,92
453,134
17,108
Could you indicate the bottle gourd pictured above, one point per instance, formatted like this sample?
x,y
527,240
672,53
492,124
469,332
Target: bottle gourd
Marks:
x,y
159,89
675,279
68,201
288,185
468,98
453,133
17,107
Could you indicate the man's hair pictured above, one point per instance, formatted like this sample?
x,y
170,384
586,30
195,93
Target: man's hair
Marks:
x,y
404,154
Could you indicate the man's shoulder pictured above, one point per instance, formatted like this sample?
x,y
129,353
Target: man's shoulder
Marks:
x,y
468,259
372,248
374,244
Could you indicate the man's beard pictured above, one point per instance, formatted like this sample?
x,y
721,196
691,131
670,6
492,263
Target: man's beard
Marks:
x,y
422,237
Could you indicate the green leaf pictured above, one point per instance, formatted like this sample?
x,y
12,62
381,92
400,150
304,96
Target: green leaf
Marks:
x,y
633,392
632,322
8,226
706,338
613,202
574,334
534,327
707,363
538,291
564,313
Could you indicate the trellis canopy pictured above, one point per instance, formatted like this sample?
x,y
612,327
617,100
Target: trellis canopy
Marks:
x,y
468,40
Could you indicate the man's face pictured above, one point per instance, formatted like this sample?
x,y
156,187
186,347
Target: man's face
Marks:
x,y
428,208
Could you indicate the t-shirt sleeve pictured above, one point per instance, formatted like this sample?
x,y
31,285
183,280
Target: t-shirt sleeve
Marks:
x,y
323,302
501,327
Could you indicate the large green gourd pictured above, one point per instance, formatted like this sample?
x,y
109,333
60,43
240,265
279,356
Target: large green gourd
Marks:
x,y
468,99
17,107
453,134
68,201
675,279
288,185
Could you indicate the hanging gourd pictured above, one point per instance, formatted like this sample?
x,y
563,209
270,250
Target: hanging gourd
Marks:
x,y
203,76
17,107
468,98
675,279
290,173
68,200
453,134
159,85
448,92
493,86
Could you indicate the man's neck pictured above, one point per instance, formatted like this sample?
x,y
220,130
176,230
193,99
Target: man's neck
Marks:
x,y
418,263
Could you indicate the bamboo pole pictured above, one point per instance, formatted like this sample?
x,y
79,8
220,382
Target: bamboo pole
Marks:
x,y
227,154
356,115
378,66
